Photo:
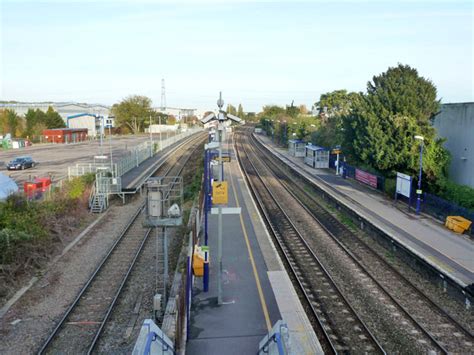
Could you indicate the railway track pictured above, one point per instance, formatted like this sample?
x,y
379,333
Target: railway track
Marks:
x,y
343,329
82,324
443,329
431,320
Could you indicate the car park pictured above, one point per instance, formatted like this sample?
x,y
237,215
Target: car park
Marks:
x,y
21,163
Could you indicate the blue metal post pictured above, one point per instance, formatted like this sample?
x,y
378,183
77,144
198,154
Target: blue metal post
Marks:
x,y
206,192
418,200
205,279
206,207
188,294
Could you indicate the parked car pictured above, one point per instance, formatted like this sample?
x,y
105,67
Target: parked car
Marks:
x,y
21,163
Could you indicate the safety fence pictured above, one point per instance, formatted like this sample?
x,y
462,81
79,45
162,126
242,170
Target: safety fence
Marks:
x,y
373,180
132,159
440,208
177,313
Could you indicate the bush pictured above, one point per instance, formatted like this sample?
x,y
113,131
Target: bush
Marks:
x,y
462,195
390,186
29,225
191,190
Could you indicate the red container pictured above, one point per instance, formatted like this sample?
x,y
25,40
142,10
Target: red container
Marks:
x,y
43,183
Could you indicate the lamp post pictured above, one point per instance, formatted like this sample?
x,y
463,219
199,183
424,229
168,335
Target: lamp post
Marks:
x,y
418,192
110,146
151,139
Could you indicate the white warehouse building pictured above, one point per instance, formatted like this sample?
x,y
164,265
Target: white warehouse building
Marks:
x,y
65,109
95,124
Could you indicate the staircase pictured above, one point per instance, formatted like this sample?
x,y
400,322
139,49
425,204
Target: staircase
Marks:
x,y
98,201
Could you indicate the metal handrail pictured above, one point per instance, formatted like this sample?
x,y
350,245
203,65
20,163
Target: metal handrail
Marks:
x,y
151,337
276,337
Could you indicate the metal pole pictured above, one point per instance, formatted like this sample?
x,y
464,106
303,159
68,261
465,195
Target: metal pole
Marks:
x,y
206,191
159,121
165,272
219,237
110,145
151,140
101,123
418,200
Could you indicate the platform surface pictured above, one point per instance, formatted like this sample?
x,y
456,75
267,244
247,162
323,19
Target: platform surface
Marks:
x,y
257,291
133,179
451,253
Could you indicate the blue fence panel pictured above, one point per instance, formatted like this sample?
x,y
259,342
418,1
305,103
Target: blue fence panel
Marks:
x,y
440,208
350,171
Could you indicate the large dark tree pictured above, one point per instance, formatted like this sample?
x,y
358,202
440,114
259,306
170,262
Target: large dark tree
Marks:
x,y
380,129
52,119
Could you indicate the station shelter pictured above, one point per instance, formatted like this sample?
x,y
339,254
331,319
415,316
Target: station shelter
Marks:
x,y
296,147
316,157
65,135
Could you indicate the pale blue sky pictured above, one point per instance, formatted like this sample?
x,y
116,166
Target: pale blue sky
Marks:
x,y
256,52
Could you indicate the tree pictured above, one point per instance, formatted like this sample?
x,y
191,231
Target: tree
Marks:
x,y
171,120
272,111
240,111
52,119
381,126
302,132
10,122
292,111
334,107
336,103
133,112
231,109
30,121
303,109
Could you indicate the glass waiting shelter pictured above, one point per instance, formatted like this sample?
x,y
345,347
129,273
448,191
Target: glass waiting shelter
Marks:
x,y
316,157
296,147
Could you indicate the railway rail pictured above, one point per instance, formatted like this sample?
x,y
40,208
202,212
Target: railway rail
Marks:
x,y
82,324
343,329
435,323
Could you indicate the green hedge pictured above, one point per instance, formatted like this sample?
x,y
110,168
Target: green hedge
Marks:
x,y
462,195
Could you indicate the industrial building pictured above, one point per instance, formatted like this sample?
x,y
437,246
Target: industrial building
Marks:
x,y
455,122
95,124
178,113
65,135
64,109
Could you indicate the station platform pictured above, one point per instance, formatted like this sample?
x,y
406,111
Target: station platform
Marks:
x,y
257,291
450,253
134,179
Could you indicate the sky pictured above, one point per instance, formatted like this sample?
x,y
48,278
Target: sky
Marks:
x,y
256,52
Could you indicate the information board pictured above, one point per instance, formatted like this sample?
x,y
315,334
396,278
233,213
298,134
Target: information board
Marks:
x,y
403,184
219,192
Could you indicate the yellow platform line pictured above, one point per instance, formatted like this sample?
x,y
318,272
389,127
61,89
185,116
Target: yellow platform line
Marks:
x,y
252,261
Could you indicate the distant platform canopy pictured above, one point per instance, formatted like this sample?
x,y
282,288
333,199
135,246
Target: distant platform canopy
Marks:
x,y
296,147
316,157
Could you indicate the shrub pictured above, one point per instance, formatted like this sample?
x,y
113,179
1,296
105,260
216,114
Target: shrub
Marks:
x,y
390,185
460,194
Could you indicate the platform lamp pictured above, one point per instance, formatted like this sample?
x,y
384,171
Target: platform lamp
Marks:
x,y
418,191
